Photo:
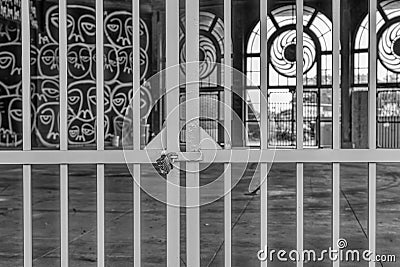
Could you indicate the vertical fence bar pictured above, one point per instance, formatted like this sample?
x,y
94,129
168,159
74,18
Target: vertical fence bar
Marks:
x,y
136,217
136,128
192,133
336,74
372,128
172,119
299,74
100,74
100,129
63,47
26,76
64,213
100,215
336,125
228,131
228,213
300,210
27,194
372,210
336,208
26,135
63,43
372,74
264,123
299,124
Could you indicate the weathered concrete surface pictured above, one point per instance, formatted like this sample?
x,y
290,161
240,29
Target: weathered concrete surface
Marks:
x,y
245,215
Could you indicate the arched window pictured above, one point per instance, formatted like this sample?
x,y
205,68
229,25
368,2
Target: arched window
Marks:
x,y
211,54
211,37
388,34
317,71
388,70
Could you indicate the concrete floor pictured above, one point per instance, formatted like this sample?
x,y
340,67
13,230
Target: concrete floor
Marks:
x,y
245,215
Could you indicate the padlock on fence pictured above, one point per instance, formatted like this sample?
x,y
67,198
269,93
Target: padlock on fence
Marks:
x,y
165,163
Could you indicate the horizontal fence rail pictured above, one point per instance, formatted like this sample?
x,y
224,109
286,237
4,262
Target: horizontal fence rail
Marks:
x,y
206,156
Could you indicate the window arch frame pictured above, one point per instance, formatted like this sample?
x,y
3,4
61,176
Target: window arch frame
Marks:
x,y
317,77
383,23
388,79
315,12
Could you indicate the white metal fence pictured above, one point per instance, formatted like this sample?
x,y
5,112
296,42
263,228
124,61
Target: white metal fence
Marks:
x,y
228,156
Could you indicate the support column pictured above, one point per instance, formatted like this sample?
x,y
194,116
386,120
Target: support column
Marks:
x,y
345,35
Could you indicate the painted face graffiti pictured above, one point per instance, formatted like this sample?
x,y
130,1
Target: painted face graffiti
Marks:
x,y
9,33
144,35
81,24
118,30
79,60
120,98
81,132
44,90
81,68
34,59
111,66
81,112
47,124
107,133
107,101
146,101
82,100
10,120
119,101
10,64
125,62
125,66
49,60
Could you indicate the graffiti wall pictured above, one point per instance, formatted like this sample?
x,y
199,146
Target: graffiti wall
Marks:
x,y
81,60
